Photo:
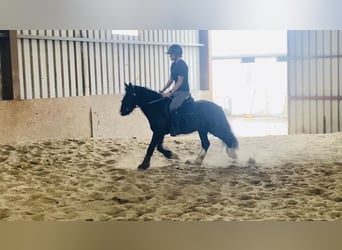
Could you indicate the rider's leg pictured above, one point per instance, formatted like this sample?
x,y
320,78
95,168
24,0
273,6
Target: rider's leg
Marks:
x,y
178,99
175,123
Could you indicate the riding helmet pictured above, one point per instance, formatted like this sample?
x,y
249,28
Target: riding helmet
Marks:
x,y
175,49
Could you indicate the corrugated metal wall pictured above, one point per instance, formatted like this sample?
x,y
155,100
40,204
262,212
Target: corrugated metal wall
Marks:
x,y
64,63
315,81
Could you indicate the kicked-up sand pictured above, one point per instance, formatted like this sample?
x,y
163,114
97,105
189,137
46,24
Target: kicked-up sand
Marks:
x,y
282,178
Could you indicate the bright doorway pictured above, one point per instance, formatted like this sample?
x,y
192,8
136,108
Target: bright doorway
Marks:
x,y
250,80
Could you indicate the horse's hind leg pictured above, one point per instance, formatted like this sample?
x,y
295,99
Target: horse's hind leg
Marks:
x,y
205,145
167,153
154,141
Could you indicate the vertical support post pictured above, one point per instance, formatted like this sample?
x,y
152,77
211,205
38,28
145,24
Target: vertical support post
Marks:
x,y
290,38
205,62
13,43
9,65
3,62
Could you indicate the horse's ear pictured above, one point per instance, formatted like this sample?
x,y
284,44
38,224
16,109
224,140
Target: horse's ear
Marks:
x,y
128,86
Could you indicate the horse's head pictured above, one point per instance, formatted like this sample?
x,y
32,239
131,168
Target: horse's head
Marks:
x,y
129,102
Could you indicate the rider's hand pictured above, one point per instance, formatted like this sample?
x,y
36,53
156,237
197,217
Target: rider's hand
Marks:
x,y
167,94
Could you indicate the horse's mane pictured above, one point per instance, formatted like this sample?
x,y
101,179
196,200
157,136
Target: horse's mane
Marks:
x,y
146,93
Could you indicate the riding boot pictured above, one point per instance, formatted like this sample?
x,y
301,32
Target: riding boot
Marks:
x,y
175,130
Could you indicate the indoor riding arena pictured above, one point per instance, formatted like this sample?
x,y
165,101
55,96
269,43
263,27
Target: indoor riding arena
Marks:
x,y
66,154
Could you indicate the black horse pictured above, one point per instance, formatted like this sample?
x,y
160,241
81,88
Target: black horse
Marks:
x,y
202,116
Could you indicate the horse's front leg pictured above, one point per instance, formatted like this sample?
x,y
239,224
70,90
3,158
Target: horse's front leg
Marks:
x,y
154,141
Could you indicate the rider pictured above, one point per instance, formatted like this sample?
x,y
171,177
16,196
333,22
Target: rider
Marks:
x,y
180,90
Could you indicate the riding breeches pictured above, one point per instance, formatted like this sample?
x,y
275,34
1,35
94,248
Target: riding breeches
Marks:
x,y
177,99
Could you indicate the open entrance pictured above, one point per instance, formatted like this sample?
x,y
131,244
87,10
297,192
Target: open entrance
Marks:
x,y
250,80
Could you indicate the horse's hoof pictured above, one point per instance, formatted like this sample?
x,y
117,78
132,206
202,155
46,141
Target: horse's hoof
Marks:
x,y
198,162
174,156
232,153
143,167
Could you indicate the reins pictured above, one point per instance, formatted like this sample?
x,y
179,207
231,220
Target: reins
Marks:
x,y
155,101
152,102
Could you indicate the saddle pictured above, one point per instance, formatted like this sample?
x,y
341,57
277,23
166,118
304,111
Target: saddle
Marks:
x,y
186,107
186,112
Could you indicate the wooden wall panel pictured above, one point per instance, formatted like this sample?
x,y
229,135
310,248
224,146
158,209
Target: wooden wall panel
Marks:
x,y
320,82
50,58
71,49
334,81
291,83
65,63
314,81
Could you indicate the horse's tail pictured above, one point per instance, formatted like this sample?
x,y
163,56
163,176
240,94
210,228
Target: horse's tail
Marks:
x,y
224,131
231,141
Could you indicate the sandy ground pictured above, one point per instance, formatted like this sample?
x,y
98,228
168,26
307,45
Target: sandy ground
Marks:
x,y
296,177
